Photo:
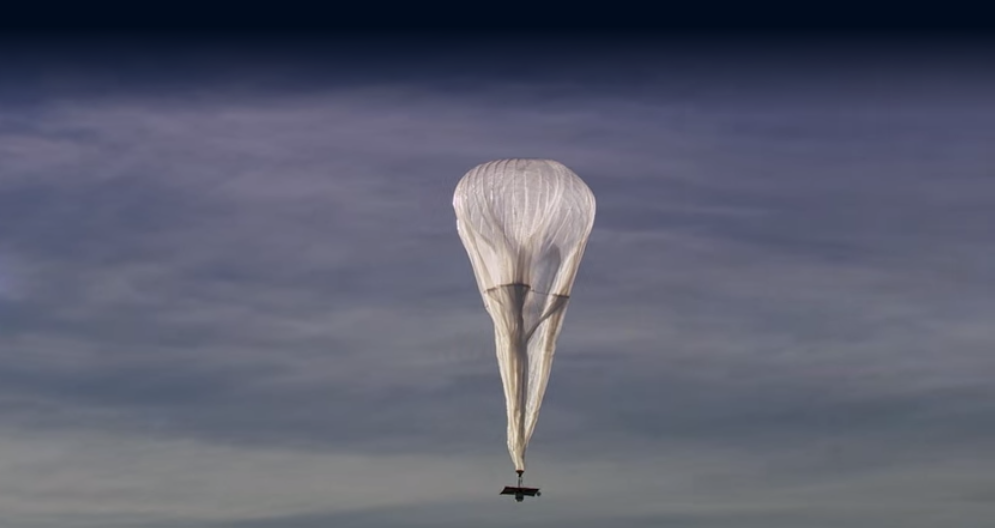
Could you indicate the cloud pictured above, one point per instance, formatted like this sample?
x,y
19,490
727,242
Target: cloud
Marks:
x,y
238,307
122,480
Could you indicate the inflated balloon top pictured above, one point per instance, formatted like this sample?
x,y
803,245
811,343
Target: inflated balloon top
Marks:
x,y
524,224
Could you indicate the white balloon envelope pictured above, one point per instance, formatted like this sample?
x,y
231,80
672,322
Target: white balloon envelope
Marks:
x,y
525,224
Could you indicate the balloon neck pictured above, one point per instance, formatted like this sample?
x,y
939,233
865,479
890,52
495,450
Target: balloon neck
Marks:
x,y
519,471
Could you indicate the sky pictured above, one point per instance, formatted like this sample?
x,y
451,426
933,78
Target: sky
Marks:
x,y
232,293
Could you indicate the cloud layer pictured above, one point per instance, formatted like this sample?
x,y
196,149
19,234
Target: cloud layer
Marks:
x,y
232,306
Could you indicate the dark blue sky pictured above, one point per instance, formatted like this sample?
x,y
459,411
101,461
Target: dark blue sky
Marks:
x,y
232,293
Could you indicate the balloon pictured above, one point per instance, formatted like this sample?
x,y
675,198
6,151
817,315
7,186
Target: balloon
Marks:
x,y
524,224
